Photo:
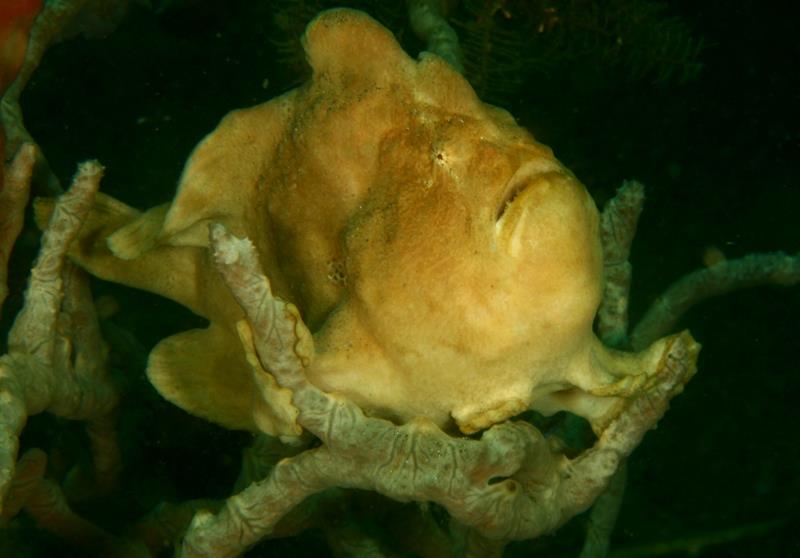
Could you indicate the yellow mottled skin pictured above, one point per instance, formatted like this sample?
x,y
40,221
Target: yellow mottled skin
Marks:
x,y
448,265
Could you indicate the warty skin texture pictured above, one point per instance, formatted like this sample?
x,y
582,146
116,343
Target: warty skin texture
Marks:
x,y
447,264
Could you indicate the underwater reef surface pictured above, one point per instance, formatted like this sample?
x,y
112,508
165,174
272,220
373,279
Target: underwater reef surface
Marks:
x,y
718,153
